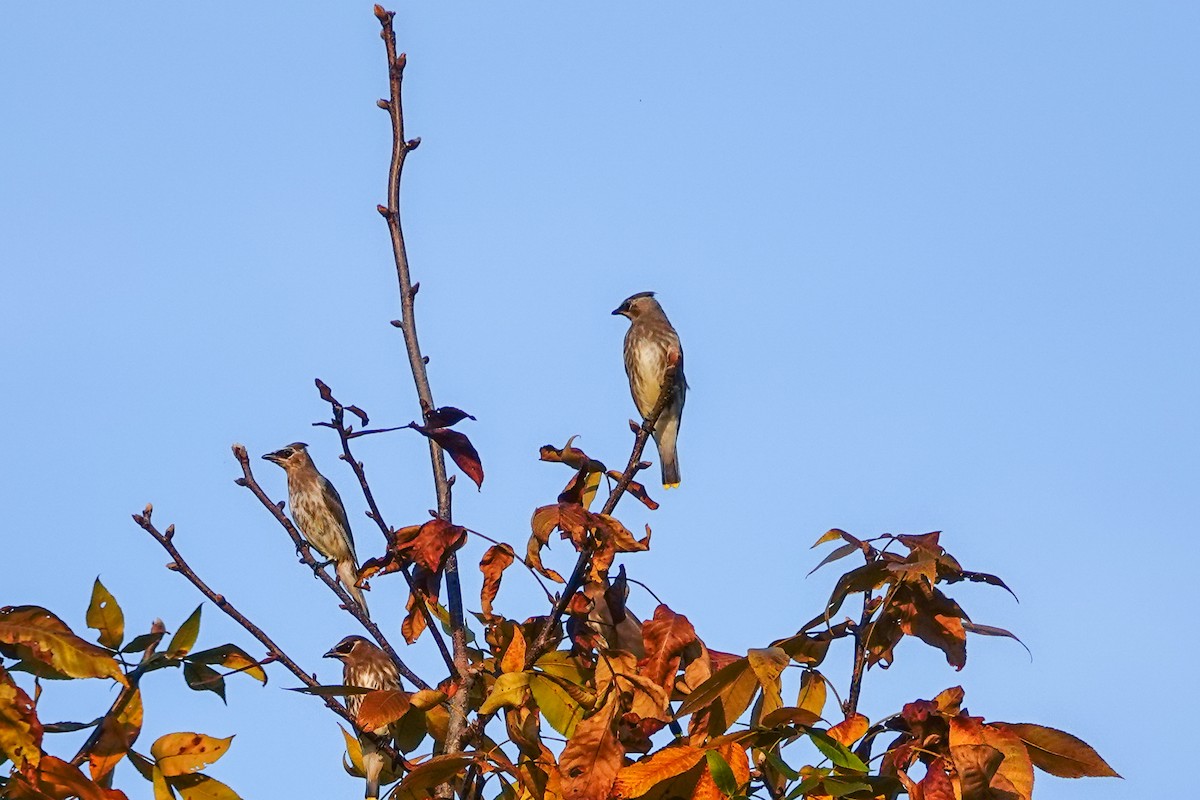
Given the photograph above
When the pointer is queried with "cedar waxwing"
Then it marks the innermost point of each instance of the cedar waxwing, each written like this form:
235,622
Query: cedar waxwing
649,345
365,665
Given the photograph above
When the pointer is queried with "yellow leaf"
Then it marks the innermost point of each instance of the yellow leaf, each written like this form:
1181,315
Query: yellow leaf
1058,752
768,664
180,753
556,704
161,790
185,638
514,656
812,692
20,730
201,787
421,781
510,690
104,615
32,632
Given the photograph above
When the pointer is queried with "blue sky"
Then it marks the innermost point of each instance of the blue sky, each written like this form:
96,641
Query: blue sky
934,268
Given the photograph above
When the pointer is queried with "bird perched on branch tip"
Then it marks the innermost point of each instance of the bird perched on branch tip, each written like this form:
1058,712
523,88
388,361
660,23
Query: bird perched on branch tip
651,345
365,665
319,513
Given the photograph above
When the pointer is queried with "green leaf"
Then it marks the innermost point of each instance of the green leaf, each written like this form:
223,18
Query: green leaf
330,691
840,787
203,678
722,774
140,643
104,615
185,638
836,752
557,706
231,657
782,766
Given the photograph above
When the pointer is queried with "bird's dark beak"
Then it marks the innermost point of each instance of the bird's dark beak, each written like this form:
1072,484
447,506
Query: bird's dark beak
274,458
331,653
620,311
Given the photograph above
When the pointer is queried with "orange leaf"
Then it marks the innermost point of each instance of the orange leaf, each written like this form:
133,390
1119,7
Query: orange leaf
850,730
936,784
118,732
514,655
1016,768
636,779
57,778
381,708
663,639
496,559
592,757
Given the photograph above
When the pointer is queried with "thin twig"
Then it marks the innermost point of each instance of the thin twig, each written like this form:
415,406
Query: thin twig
274,651
339,424
540,643
861,632
306,556
391,212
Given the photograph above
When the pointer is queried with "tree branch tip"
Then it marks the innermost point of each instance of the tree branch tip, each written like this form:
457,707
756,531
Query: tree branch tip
450,480
240,481
169,533
425,359
384,104
239,450
413,143
384,211
633,426
416,287
173,566
139,519
279,505
148,510
401,60
641,465
397,323
383,15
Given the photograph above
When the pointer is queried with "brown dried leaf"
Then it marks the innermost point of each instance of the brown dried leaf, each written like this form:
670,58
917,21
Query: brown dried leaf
812,692
1016,768
572,456
422,780
496,559
459,447
936,785
58,779
1058,752
976,766
636,489
592,757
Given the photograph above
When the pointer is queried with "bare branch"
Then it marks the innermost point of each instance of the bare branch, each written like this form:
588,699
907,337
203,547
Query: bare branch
274,651
306,557
401,147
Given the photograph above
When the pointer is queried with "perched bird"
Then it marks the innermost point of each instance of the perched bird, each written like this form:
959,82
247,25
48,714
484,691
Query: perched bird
365,665
650,345
319,513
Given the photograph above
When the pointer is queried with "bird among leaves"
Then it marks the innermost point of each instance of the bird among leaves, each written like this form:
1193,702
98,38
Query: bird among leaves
319,514
365,665
651,344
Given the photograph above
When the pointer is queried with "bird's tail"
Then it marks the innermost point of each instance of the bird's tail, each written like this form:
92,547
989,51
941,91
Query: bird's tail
347,573
372,766
665,434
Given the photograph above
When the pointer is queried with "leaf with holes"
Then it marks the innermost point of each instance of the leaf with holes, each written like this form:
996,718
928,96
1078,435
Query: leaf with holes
180,753
33,634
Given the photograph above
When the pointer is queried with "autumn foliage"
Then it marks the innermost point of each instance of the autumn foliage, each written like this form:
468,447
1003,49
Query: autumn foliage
594,699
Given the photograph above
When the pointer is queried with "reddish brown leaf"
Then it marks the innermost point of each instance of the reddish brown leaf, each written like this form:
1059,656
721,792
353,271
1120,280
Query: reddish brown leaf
571,456
636,489
923,541
592,757
444,417
1058,752
459,447
57,778
381,708
664,638
936,785
496,559
976,766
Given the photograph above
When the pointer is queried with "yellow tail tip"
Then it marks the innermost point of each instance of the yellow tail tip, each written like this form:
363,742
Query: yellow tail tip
671,485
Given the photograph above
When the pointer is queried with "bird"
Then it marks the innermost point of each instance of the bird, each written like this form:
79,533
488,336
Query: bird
365,665
651,344
319,514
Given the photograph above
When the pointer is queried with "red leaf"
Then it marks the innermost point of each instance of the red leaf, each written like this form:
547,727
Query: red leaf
458,446
445,417
664,637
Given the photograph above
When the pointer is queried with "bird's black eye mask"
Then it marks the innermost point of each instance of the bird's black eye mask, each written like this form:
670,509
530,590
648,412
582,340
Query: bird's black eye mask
286,452
344,648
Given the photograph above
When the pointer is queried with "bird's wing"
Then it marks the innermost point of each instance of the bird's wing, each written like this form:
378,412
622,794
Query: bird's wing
334,501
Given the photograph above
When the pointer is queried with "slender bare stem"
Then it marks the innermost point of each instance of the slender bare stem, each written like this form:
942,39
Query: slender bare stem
345,435
540,644
274,651
401,147
861,633
306,557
